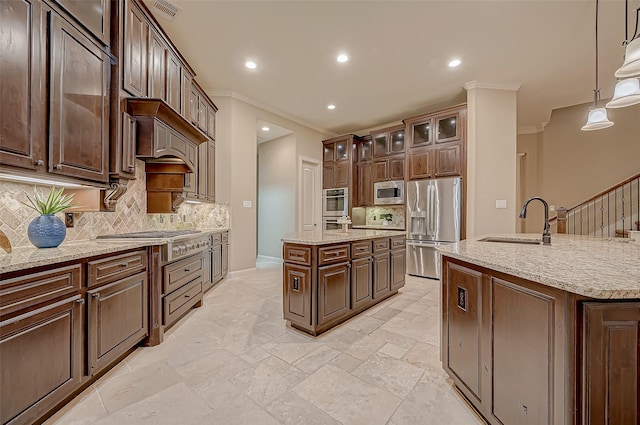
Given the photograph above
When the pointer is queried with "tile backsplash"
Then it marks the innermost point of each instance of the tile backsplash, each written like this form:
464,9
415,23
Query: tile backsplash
373,217
130,214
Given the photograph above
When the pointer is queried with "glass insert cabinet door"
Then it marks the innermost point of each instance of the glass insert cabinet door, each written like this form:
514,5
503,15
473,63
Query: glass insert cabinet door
341,151
447,128
396,141
380,145
328,152
421,133
365,150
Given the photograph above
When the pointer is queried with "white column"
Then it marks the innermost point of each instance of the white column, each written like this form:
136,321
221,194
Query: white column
491,157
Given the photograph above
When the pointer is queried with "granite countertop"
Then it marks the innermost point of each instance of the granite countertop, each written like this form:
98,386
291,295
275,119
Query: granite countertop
26,257
316,237
593,267
376,227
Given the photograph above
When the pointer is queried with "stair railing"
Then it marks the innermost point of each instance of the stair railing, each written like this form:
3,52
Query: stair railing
611,213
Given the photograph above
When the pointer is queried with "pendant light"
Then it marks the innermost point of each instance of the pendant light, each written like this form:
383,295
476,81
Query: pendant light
597,116
627,91
631,65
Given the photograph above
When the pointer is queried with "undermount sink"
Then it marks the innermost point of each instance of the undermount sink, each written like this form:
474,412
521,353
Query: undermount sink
511,240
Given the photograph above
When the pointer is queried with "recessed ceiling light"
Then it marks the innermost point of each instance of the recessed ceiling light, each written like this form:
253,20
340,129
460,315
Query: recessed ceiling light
331,106
454,63
342,58
265,128
250,65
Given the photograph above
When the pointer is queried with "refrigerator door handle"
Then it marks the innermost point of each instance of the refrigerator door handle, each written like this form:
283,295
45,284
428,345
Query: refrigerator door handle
410,243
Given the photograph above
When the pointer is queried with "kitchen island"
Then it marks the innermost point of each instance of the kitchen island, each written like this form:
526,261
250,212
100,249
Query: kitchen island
535,334
331,276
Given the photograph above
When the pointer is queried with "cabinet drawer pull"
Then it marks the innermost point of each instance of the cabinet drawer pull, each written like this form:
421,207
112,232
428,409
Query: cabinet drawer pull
187,270
39,163
95,295
58,166
124,265
187,296
80,301
131,167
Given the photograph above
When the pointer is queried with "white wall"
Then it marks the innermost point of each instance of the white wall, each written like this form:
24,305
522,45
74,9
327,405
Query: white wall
276,193
236,168
491,158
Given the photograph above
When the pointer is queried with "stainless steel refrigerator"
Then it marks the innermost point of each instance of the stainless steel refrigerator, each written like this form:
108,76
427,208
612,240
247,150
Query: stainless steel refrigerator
434,217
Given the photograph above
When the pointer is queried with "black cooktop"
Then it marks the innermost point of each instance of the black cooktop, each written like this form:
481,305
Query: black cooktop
152,234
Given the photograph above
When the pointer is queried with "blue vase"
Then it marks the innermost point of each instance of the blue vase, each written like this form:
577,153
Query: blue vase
46,231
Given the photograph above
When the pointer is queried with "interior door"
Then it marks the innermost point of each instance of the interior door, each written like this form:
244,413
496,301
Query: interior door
309,195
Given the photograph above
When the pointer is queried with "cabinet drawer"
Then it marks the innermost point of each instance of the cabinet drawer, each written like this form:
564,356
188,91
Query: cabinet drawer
361,249
381,245
216,238
297,254
111,269
333,254
36,288
179,302
181,272
397,242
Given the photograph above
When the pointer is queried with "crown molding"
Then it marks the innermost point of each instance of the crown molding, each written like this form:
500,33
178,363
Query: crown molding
245,99
494,85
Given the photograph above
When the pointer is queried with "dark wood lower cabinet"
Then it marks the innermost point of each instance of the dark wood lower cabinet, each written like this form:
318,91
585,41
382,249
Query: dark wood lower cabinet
324,285
361,278
334,292
117,319
41,356
526,353
381,275
611,363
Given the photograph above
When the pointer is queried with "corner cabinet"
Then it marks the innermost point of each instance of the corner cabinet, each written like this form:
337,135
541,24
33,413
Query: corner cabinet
324,285
436,144
337,161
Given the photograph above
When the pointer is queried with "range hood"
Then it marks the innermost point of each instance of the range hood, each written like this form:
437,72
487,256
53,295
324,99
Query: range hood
168,144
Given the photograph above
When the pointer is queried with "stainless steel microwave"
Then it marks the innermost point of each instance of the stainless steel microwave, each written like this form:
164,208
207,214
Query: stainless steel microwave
388,193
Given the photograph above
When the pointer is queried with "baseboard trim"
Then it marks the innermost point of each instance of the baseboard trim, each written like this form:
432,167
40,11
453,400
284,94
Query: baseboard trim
268,259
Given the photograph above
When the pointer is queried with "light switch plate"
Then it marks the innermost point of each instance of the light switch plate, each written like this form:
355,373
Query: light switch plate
501,203
247,204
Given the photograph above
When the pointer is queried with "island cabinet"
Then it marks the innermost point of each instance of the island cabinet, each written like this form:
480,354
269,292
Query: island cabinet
324,285
524,353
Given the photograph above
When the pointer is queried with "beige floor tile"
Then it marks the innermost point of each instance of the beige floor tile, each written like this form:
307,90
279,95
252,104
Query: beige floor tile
128,388
174,405
218,365
386,313
393,350
388,373
85,409
240,410
364,347
426,356
347,398
266,380
291,346
364,324
345,362
218,393
291,409
316,359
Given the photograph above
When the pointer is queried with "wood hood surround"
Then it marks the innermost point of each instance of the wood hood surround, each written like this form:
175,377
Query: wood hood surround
168,143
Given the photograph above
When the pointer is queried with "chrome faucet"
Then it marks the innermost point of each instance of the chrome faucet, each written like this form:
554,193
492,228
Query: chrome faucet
546,233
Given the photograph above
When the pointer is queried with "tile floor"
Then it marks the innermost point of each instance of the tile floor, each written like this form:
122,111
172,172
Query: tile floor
234,361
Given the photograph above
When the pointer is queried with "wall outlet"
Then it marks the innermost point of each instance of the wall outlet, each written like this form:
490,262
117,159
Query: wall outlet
247,204
501,203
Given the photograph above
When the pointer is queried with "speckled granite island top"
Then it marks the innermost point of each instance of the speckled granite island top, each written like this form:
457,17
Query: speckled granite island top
316,237
596,268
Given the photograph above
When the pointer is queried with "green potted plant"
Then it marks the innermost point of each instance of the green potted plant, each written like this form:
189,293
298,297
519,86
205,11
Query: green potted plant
47,230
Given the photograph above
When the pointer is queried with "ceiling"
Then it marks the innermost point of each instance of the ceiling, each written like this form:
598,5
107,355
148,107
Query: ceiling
266,131
399,51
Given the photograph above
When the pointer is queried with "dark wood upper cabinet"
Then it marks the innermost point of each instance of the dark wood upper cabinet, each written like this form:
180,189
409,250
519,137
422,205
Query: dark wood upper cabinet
185,107
449,127
448,160
388,141
157,65
174,81
419,132
94,15
206,171
23,85
365,149
337,161
79,93
364,185
135,55
128,143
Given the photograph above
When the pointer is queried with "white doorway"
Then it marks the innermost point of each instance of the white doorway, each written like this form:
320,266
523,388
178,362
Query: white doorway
308,193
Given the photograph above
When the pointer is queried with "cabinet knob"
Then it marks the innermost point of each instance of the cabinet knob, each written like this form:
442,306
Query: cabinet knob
194,123
39,163
80,301
187,270
131,168
187,296
95,295
58,166
124,265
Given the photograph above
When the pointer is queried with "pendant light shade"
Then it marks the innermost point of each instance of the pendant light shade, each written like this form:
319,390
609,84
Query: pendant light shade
631,65
597,120
626,93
